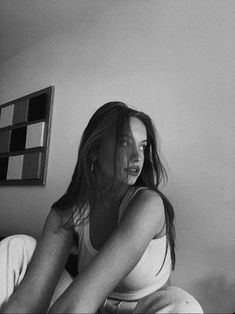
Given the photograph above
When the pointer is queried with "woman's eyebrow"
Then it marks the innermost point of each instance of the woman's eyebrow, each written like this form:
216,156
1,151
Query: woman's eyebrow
131,137
126,136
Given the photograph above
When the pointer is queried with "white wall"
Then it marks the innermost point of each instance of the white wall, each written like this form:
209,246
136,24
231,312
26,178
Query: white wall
175,61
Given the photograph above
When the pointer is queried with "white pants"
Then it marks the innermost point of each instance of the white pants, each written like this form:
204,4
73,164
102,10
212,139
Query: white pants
168,299
16,253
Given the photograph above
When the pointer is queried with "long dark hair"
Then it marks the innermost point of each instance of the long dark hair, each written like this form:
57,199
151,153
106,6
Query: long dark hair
87,185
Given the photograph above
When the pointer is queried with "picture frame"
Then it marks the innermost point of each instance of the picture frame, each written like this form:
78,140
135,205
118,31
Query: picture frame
25,125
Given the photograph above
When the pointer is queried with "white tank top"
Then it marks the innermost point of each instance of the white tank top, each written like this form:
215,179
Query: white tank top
147,276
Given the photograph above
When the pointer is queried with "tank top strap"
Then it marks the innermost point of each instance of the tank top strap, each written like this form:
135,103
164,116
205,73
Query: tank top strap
127,198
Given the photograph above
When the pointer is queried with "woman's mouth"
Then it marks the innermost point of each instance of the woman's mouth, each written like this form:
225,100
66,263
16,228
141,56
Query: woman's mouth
133,171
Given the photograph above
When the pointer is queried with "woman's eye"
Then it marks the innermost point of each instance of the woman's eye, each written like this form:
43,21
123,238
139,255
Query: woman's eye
124,143
142,147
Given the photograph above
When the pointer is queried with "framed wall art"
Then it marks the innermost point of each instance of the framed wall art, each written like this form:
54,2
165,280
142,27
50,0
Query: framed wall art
24,138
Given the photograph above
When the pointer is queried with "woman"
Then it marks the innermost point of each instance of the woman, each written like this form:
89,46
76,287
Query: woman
124,225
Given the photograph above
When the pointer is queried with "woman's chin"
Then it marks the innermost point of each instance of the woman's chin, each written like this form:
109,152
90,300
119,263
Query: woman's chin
132,180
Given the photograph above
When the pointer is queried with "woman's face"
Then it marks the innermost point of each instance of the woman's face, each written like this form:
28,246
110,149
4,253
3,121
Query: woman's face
131,154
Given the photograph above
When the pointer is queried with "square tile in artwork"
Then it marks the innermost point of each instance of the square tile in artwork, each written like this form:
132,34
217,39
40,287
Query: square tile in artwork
32,166
6,116
15,167
5,137
20,112
18,139
37,107
35,135
3,168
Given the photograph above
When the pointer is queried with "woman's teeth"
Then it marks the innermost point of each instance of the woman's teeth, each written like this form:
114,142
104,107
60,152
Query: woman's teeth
133,170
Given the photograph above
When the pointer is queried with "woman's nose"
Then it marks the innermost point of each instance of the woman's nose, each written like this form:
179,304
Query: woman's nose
135,154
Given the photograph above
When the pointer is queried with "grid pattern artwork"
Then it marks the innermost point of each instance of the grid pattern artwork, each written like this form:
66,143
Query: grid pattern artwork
24,138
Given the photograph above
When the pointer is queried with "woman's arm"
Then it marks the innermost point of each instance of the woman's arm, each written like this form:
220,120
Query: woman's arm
35,291
143,218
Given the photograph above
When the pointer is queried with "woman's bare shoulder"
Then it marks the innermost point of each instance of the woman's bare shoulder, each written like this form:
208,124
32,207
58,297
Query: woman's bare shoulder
148,198
146,206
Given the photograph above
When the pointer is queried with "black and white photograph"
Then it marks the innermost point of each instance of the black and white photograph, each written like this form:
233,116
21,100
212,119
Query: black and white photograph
117,156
